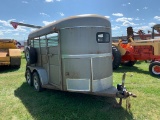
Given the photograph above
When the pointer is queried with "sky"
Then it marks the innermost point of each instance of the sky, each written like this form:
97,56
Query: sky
139,14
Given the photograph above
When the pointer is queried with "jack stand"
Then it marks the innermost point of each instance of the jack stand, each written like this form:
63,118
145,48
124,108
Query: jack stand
128,104
123,94
123,81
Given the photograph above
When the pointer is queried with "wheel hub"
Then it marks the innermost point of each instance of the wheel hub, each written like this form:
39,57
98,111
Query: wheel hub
27,56
35,83
156,69
28,78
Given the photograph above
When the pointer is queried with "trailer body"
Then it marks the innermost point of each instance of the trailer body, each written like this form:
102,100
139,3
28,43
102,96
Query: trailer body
72,54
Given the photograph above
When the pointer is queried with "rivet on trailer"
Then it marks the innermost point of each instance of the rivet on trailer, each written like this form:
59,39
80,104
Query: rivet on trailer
75,55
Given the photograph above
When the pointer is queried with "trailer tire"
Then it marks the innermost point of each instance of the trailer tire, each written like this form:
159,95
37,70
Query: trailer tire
154,68
36,82
31,55
116,57
128,63
28,76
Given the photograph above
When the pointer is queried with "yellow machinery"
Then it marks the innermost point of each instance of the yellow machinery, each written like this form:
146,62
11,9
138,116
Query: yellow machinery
10,55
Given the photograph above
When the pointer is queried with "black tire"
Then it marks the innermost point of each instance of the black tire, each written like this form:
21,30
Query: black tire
154,68
36,82
15,62
17,66
28,76
128,63
31,55
116,55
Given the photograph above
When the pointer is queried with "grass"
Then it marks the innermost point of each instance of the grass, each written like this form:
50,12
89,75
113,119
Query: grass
18,101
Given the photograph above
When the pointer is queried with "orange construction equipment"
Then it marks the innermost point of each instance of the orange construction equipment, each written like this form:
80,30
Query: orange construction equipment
143,50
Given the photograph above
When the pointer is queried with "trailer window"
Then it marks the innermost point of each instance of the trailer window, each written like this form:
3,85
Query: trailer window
52,39
31,43
103,37
44,41
36,43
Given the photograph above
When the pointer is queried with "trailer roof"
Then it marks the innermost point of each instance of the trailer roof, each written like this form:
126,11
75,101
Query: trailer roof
74,21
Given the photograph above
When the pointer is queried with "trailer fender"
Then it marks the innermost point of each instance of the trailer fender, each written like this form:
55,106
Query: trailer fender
41,72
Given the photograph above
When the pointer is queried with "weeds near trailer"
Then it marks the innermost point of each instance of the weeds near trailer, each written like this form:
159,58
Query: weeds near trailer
146,87
20,101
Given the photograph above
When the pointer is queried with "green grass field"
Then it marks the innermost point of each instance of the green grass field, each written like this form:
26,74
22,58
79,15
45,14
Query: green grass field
18,101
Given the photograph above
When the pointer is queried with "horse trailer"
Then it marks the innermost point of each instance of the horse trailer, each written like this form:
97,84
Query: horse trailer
73,54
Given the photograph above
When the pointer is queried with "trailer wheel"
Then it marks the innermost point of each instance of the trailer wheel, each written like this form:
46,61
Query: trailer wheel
128,63
29,77
31,55
36,82
116,56
154,68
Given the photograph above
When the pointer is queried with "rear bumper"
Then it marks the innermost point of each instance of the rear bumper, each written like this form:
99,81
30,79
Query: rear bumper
110,92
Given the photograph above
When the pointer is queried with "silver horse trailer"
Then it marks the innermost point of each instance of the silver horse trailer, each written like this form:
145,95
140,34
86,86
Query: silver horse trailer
73,54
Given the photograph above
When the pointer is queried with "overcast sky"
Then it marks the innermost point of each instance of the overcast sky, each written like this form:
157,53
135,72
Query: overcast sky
140,14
